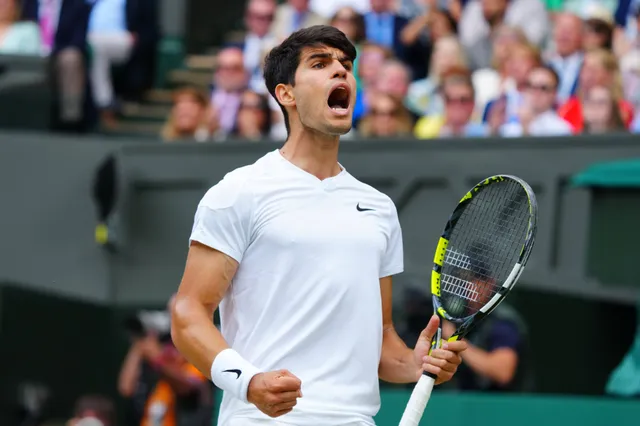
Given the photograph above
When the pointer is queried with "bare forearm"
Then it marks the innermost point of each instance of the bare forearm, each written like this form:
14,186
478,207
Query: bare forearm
397,364
194,334
498,366
412,31
129,373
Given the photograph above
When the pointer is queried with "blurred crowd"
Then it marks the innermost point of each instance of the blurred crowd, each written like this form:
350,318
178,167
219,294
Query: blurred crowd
425,68
440,68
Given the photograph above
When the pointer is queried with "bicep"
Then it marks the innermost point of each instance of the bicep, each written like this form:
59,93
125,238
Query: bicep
207,276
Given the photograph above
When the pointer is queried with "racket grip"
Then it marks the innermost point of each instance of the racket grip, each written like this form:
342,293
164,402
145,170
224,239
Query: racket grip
418,401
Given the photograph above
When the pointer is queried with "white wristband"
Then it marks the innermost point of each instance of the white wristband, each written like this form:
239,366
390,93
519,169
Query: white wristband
232,373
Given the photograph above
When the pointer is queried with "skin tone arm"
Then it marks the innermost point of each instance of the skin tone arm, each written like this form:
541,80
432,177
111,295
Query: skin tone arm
399,364
130,371
498,365
206,279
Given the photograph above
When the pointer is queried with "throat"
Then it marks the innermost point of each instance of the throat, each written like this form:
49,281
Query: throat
319,162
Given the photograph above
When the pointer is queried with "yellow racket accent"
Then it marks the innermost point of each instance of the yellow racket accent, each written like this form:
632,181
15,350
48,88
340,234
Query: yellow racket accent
438,258
435,283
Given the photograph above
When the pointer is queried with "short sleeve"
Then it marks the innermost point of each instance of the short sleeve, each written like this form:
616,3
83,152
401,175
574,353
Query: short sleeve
504,334
393,257
223,218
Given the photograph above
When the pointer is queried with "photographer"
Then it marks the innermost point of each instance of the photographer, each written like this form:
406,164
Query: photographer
164,390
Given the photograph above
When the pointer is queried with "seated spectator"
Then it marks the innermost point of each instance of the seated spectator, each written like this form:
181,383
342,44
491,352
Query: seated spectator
119,31
536,116
386,118
230,80
292,16
93,410
253,121
598,34
423,97
601,111
493,81
189,118
384,27
370,60
480,18
523,58
600,68
567,53
63,30
458,94
17,37
258,40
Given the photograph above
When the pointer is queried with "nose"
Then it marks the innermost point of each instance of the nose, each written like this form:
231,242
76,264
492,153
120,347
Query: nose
340,71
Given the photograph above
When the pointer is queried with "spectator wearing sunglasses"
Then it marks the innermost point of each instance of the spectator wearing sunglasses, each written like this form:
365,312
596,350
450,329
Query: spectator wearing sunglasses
458,95
536,116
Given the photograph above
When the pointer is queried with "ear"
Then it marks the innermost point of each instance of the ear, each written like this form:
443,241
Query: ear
285,95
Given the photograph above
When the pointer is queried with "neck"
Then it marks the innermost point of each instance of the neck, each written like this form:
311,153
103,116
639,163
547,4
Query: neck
455,128
315,153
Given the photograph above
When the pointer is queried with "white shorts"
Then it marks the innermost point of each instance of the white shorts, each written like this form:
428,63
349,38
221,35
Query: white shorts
269,422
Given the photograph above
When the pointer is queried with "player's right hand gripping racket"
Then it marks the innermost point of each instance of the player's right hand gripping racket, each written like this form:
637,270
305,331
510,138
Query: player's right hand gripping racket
480,256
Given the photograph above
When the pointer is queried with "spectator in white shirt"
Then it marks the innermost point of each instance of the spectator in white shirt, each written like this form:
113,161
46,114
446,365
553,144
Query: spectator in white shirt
567,57
537,116
258,40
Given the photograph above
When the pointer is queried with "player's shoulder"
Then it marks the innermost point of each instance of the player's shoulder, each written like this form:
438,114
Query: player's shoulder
235,184
374,197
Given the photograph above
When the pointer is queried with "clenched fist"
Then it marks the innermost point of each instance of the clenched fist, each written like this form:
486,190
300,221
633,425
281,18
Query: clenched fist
275,393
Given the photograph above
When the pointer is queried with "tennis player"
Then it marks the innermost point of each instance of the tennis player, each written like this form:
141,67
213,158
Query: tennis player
299,256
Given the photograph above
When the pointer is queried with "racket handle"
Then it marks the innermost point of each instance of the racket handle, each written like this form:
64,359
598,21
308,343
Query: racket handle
418,401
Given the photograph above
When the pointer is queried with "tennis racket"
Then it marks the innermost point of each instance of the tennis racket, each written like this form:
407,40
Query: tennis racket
479,257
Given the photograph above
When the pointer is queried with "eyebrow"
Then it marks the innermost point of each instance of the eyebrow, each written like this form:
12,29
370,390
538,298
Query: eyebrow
342,58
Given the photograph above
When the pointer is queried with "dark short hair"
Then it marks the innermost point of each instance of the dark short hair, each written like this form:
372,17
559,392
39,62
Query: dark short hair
551,71
282,61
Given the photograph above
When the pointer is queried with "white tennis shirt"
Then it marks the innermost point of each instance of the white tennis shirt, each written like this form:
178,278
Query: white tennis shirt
306,296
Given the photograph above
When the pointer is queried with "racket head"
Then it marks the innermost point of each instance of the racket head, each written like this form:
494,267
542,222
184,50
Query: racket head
483,249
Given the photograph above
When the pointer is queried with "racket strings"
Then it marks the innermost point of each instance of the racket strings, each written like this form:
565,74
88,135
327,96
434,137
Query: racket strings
483,247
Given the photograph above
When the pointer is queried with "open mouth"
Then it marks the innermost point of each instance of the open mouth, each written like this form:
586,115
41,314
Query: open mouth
339,99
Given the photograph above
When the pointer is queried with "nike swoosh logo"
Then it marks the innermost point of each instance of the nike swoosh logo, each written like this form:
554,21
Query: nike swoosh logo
360,209
238,372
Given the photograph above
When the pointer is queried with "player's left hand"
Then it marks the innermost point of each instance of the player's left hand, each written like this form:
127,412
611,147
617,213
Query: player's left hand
442,362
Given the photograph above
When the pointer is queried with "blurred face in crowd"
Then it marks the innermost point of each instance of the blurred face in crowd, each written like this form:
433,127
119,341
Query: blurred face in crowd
300,5
8,11
597,108
188,113
371,59
567,34
393,80
447,53
381,6
494,10
230,74
384,111
597,34
520,63
594,73
259,16
252,115
541,90
459,102
503,41
345,21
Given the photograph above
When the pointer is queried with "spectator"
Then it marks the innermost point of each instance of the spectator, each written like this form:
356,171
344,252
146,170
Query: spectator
480,18
254,117
600,68
63,30
393,79
568,55
491,83
16,37
351,23
93,410
630,70
292,16
120,32
189,118
423,96
536,116
601,111
370,60
386,118
497,359
384,27
458,95
598,34
258,40
230,81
